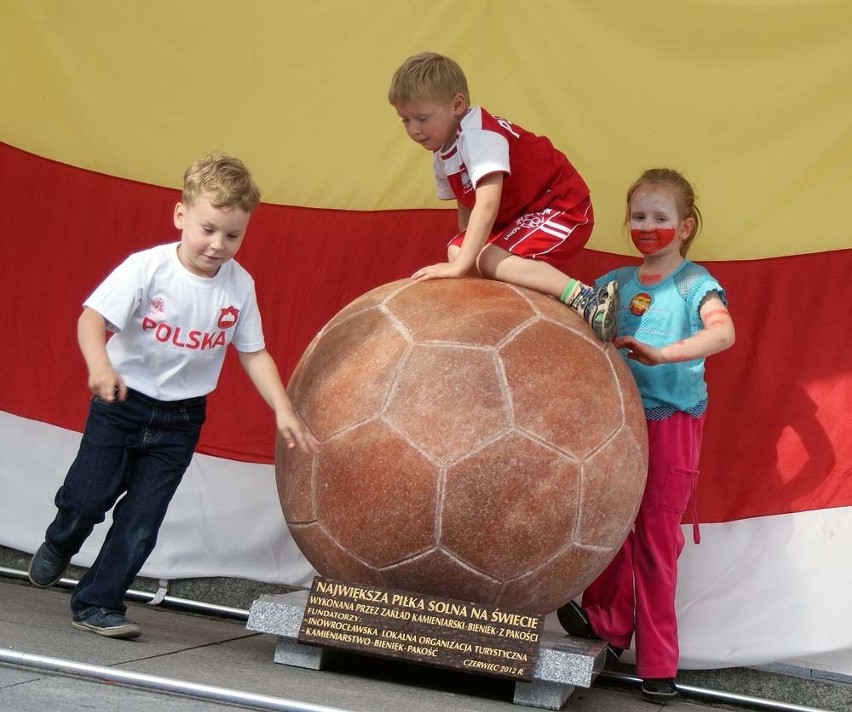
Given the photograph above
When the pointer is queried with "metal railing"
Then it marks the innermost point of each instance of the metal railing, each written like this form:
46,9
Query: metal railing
247,699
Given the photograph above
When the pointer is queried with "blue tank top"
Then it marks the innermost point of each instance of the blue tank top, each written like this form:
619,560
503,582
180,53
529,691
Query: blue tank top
660,314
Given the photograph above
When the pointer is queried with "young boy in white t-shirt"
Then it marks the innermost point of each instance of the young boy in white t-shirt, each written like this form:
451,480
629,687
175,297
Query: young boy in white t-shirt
173,309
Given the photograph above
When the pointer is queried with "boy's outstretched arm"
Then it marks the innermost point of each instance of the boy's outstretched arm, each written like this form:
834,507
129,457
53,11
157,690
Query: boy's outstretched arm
717,335
480,221
104,381
263,373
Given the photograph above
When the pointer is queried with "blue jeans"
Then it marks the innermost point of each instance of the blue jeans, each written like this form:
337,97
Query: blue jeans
141,448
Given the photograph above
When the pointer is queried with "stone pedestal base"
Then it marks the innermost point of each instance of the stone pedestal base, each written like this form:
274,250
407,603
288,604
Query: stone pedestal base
563,662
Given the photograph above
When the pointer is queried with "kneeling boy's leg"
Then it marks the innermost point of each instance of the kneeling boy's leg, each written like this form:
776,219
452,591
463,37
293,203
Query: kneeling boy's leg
532,261
497,263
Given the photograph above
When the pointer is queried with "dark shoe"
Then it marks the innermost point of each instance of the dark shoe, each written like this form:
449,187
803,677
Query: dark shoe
576,623
109,624
574,620
46,568
613,655
660,690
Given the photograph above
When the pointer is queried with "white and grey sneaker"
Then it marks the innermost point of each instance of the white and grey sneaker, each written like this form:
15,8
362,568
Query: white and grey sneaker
598,307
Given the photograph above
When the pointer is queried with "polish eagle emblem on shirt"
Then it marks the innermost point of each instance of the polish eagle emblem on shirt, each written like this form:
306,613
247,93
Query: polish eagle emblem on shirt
228,317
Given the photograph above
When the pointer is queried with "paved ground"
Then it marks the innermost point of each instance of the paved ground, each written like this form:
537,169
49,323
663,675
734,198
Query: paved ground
222,653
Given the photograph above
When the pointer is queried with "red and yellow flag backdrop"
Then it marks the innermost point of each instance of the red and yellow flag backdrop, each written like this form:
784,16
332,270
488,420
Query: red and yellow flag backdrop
106,103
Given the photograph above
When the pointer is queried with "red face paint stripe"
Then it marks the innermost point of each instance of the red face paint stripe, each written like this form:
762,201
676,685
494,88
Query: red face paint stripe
650,241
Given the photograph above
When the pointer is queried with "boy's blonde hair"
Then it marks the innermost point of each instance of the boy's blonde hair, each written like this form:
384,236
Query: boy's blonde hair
427,76
225,181
684,195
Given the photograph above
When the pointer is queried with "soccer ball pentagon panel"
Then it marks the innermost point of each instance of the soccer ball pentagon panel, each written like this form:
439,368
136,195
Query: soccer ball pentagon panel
476,442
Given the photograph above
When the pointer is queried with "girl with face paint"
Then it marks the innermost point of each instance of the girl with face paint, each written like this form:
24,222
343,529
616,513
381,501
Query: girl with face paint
673,315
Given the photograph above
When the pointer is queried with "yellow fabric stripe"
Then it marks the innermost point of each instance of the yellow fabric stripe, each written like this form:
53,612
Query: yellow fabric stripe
751,99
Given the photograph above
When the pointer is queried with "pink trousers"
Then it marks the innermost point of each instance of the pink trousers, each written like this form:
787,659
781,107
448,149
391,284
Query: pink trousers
635,594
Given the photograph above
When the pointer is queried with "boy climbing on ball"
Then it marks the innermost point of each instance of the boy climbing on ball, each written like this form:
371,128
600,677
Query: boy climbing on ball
523,209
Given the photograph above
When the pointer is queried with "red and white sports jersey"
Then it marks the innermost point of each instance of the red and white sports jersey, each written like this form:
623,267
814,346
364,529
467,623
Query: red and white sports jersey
537,175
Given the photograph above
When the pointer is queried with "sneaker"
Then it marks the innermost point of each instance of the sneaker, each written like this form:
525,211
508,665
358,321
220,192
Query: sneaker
576,623
660,690
46,568
613,655
598,307
574,620
110,624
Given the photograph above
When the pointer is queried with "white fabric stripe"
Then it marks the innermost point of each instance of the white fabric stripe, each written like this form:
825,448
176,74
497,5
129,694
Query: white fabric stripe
756,591
556,228
224,520
766,590
559,234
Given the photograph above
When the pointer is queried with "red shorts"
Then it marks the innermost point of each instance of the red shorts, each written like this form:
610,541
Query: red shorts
553,236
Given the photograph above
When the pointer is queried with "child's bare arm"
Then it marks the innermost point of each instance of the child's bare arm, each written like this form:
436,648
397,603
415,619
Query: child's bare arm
717,335
463,216
263,373
479,222
104,381
488,193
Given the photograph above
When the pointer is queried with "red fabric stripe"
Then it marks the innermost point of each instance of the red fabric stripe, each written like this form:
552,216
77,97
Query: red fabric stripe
65,228
777,438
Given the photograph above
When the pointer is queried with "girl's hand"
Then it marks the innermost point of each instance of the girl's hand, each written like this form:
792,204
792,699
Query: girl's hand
640,351
717,335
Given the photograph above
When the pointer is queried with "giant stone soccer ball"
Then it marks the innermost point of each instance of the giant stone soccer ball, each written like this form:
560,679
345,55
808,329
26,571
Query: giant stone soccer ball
476,442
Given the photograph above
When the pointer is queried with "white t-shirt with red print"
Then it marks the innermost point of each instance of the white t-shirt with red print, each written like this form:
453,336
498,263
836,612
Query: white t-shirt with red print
537,175
172,327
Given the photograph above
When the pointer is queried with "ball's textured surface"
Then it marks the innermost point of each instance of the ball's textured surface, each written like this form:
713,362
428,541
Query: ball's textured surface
477,442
